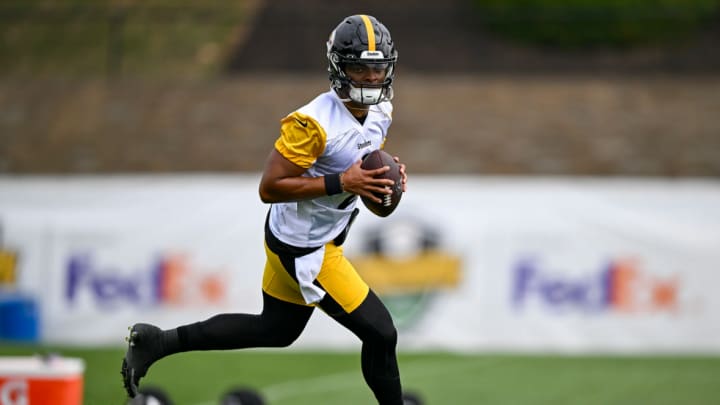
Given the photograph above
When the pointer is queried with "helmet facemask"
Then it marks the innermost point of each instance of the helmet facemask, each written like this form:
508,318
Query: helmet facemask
367,93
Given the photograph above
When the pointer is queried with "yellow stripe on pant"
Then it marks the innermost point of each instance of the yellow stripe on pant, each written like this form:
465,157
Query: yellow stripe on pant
337,277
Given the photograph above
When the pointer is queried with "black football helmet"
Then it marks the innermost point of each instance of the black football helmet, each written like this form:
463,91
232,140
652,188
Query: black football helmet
361,39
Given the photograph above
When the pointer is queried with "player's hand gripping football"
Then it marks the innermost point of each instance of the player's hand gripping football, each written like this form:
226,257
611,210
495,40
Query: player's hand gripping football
366,183
369,183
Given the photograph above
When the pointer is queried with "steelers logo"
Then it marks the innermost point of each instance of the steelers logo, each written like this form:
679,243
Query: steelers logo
404,262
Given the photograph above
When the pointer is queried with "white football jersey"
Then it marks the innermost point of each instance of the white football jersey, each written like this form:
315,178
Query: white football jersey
324,137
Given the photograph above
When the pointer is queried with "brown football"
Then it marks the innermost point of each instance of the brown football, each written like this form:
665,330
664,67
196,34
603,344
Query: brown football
375,160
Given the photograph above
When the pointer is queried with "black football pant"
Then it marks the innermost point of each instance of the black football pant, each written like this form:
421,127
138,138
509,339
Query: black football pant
281,323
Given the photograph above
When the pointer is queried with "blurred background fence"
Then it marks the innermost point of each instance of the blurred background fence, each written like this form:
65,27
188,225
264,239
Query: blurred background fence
502,87
617,87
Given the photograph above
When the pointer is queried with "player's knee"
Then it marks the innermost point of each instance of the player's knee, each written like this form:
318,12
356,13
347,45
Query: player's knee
390,336
281,336
281,341
385,333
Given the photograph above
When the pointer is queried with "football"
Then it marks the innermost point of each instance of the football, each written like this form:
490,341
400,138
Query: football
375,160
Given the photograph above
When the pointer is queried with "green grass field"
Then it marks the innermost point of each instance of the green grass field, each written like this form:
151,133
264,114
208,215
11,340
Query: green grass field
291,377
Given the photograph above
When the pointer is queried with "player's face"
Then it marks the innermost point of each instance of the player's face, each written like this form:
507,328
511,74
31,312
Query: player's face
367,73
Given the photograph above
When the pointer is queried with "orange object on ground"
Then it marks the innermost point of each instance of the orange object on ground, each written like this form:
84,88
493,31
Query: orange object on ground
41,380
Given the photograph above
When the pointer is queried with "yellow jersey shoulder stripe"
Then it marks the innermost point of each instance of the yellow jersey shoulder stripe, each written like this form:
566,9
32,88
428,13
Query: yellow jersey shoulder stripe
302,139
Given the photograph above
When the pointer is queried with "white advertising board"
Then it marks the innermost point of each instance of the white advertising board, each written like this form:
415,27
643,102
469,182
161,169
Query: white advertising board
575,265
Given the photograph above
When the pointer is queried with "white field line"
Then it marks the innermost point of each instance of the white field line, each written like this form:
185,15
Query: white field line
352,379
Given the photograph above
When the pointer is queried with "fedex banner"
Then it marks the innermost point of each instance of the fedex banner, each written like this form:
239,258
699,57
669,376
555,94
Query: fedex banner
576,265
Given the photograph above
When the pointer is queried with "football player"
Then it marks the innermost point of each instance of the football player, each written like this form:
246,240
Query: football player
311,180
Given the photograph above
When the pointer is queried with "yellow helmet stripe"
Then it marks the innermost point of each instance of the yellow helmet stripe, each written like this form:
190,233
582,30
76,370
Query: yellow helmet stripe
370,32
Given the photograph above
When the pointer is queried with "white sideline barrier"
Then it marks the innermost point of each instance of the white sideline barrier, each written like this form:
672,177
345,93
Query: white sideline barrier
545,264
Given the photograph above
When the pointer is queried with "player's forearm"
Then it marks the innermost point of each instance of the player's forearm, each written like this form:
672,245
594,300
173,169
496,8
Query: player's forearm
293,189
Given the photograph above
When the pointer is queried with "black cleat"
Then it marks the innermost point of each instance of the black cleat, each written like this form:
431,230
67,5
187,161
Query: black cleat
412,398
144,348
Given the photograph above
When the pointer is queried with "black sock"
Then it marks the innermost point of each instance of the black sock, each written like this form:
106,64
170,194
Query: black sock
278,325
372,323
387,390
171,341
